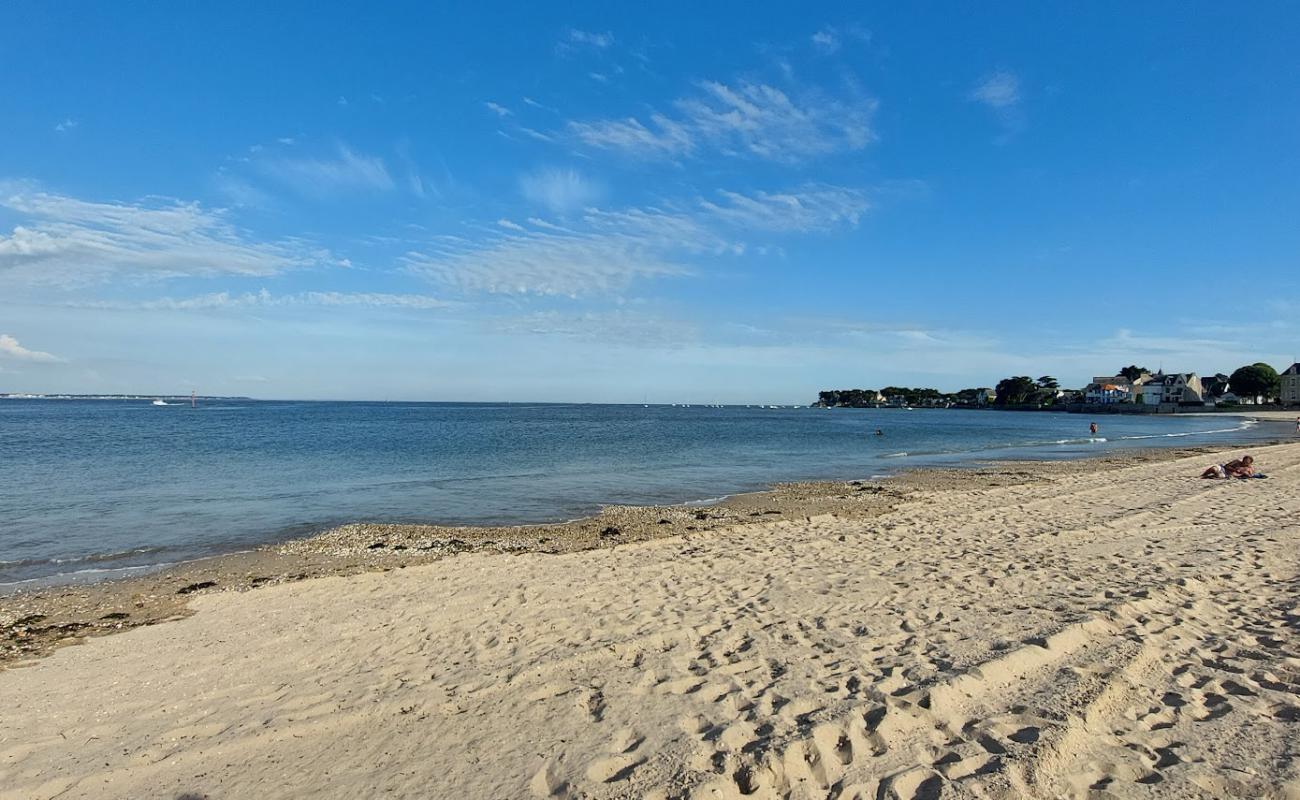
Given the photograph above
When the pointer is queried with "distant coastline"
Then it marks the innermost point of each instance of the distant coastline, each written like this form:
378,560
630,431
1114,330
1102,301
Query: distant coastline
26,396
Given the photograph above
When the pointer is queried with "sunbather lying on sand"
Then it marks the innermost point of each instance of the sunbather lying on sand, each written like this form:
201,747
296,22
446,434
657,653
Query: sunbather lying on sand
1243,467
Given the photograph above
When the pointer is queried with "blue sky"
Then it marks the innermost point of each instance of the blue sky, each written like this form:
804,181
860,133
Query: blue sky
730,202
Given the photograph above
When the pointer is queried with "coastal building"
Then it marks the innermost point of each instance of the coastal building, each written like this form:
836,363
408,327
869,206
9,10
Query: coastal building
1289,392
1214,386
1179,387
1107,389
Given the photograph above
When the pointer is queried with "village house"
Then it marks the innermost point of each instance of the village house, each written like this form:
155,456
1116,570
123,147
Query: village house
1106,392
1107,389
1289,391
1180,387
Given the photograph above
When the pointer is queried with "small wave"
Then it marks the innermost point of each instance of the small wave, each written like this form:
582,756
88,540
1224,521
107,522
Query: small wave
1092,440
895,455
707,501
70,576
93,558
1184,433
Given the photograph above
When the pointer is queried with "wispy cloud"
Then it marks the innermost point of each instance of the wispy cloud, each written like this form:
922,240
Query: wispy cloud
826,40
575,39
666,138
605,252
68,241
66,125
265,299
619,327
813,207
528,101
496,108
344,172
743,119
241,192
605,256
998,90
10,348
559,190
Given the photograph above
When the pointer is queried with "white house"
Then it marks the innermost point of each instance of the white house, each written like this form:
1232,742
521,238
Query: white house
1181,387
1107,389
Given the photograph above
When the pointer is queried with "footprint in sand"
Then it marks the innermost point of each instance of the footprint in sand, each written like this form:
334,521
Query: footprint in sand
614,768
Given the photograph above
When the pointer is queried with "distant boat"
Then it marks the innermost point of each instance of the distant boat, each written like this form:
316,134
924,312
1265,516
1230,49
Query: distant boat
159,403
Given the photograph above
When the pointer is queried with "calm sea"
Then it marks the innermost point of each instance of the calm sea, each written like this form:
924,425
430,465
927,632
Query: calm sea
95,488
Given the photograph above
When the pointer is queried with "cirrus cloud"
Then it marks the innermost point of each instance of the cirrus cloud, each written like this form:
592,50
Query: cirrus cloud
606,251
744,119
66,241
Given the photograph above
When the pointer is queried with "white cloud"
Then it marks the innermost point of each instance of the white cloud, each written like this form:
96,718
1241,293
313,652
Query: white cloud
826,40
668,139
596,40
814,207
499,110
10,348
538,135
265,299
605,252
69,241
610,252
560,190
66,125
240,192
999,90
744,119
619,327
323,177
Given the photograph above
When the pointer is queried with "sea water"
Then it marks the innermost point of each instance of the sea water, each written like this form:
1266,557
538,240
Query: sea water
95,488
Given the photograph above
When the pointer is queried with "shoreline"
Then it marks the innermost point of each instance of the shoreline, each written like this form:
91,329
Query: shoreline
938,460
36,621
1014,630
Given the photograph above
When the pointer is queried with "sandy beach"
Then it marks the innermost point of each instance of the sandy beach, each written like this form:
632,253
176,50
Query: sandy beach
1130,631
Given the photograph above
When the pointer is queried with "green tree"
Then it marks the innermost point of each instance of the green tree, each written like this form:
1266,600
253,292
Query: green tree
1255,380
1133,372
1016,391
1048,382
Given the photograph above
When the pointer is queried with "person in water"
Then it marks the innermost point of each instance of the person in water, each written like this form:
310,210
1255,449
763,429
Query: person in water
879,432
1243,467
1093,429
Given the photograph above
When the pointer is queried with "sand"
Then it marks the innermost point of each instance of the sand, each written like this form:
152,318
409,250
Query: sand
35,620
1130,632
